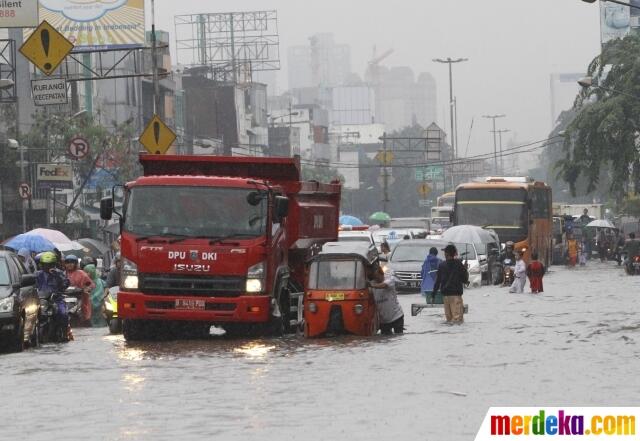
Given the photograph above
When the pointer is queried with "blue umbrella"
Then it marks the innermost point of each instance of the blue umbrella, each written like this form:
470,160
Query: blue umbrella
32,242
350,220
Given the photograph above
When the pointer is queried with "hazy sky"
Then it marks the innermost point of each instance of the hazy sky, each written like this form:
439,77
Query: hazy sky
513,46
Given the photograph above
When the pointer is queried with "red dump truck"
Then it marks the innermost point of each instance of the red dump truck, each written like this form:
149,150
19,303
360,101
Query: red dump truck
213,240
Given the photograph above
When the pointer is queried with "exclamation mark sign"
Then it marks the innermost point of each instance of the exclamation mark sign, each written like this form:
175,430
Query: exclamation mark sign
45,38
156,133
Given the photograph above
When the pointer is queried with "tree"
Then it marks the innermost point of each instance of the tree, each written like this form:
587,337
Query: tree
601,144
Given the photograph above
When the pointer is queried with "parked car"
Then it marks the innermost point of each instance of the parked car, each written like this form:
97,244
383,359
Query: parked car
19,304
409,255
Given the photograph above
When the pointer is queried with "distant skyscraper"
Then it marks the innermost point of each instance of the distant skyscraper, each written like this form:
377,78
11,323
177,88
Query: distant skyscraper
402,101
321,63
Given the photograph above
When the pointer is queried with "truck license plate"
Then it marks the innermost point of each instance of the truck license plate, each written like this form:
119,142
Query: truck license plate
189,304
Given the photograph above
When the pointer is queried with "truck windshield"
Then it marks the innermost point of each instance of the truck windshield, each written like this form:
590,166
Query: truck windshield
194,212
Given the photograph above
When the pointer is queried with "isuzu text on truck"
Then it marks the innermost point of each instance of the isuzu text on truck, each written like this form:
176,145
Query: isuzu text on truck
212,240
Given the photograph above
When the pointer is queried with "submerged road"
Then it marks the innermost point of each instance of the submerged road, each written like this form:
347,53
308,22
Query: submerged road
575,345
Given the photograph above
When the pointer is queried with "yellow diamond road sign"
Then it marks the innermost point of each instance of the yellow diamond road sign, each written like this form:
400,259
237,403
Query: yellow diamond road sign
46,48
157,137
385,157
424,189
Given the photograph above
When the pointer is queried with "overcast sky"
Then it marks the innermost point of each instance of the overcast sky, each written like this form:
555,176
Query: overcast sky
513,47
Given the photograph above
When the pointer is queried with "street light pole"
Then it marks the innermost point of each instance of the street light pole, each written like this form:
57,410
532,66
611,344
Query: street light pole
450,62
588,82
500,132
495,140
22,180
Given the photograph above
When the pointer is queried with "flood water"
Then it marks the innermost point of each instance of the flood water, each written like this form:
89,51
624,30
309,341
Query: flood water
575,345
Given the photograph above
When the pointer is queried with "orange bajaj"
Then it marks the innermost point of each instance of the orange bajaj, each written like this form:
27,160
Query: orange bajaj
337,298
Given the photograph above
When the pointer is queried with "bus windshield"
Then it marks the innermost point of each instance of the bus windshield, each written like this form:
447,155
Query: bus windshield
194,212
501,209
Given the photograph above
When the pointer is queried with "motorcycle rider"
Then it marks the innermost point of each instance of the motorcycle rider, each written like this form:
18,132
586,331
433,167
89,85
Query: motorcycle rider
631,249
508,253
51,279
79,279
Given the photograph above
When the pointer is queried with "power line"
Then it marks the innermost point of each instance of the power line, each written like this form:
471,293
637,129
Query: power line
506,152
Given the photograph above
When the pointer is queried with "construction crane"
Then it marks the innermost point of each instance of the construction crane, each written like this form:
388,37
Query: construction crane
373,70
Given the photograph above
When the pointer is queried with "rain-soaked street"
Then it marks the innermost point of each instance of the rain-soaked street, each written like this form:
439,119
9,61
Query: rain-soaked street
574,345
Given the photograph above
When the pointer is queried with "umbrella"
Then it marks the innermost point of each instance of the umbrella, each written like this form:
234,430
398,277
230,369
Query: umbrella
95,247
601,223
380,216
72,247
468,234
54,236
350,220
33,242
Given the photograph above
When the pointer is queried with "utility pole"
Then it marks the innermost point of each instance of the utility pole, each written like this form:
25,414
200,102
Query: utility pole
495,140
500,132
154,61
385,175
450,62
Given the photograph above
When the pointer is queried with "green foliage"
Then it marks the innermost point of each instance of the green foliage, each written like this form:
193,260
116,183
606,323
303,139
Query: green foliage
601,145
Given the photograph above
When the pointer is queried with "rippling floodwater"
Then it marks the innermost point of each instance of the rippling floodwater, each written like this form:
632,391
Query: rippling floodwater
576,345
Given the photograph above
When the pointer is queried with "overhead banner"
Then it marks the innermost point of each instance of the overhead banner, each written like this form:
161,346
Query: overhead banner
18,13
50,91
97,24
55,176
615,21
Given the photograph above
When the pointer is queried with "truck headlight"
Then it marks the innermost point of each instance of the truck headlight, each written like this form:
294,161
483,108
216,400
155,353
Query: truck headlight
6,304
129,275
254,285
255,278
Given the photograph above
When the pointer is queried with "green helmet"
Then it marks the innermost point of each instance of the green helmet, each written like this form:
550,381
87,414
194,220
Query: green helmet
48,257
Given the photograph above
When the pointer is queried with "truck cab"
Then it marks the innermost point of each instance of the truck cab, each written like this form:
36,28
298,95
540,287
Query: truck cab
216,241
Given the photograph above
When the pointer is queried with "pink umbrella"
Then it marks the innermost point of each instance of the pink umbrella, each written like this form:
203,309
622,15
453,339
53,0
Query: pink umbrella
54,236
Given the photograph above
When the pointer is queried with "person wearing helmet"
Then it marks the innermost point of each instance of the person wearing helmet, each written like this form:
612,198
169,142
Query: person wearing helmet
50,278
79,279
113,278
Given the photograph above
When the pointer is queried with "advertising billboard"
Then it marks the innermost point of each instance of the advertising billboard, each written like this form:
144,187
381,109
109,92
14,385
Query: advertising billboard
19,14
97,24
615,21
635,14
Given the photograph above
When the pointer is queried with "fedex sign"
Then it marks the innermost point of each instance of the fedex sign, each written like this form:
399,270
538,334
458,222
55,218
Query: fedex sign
55,176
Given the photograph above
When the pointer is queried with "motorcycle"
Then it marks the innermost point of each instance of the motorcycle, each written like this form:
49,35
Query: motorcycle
111,311
507,271
632,266
53,318
75,297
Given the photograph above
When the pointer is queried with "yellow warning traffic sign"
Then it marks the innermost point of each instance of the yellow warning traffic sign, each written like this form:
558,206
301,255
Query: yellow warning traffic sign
424,189
385,157
46,48
157,137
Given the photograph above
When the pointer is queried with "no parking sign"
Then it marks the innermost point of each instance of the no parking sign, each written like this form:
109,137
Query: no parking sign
78,147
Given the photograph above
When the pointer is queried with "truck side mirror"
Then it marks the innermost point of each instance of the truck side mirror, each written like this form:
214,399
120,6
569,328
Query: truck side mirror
106,208
281,207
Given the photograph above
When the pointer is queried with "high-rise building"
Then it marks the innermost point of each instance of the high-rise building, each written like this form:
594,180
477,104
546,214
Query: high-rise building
402,101
320,63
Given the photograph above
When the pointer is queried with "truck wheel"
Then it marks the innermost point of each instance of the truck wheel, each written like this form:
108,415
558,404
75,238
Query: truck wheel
134,330
114,326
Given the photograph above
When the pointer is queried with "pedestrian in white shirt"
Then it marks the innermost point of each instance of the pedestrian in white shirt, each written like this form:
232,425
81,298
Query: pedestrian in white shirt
520,275
389,309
